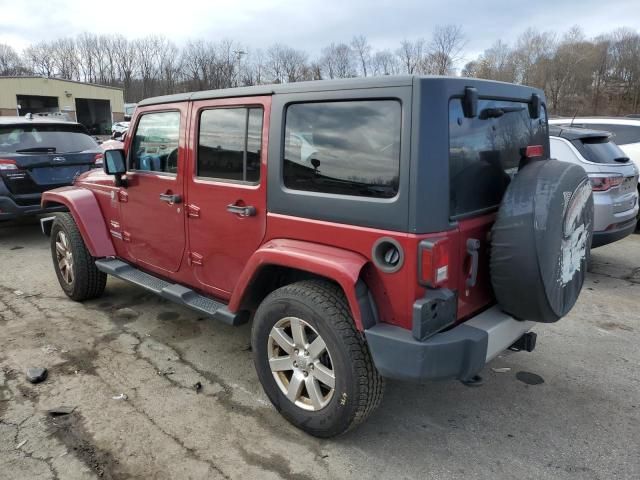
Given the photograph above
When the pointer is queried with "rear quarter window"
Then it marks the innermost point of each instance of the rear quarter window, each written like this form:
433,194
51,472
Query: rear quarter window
345,148
485,151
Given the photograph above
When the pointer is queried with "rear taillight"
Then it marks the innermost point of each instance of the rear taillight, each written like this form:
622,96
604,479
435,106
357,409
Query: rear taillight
602,183
98,160
8,164
433,266
534,151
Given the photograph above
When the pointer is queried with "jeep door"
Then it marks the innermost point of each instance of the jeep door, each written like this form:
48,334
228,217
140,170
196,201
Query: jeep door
226,210
151,203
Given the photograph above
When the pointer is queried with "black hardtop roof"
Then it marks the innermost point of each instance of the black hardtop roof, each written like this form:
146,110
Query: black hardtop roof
326,85
576,133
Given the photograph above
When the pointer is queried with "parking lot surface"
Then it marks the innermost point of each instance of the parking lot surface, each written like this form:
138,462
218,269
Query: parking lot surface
128,366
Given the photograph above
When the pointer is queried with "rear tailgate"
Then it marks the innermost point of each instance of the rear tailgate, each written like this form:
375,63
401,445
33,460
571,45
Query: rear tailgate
36,157
485,153
40,172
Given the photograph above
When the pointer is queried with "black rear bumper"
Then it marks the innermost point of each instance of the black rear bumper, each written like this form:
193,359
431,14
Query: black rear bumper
10,210
460,352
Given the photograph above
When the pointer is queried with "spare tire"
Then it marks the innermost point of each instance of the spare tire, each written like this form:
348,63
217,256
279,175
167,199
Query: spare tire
541,240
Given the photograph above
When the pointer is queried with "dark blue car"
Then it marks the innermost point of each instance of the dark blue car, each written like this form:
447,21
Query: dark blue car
38,154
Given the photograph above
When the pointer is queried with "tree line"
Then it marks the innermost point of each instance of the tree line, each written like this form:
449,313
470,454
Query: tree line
581,75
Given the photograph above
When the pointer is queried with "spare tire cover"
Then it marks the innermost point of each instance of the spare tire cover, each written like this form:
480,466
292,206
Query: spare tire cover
541,240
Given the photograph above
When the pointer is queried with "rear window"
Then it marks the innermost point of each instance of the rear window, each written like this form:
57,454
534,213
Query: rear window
600,150
34,138
345,148
485,151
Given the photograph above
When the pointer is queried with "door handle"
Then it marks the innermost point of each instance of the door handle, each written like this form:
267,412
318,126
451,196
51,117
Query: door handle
243,211
170,198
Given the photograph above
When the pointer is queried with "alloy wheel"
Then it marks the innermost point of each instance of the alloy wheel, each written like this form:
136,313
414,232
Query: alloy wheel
64,257
301,363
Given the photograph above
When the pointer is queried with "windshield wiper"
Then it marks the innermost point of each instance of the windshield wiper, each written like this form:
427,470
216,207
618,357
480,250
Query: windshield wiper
497,112
37,149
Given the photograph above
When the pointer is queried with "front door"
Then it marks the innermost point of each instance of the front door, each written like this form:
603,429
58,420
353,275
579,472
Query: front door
152,204
226,210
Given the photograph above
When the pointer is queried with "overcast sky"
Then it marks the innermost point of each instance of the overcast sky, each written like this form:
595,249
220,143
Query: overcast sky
308,24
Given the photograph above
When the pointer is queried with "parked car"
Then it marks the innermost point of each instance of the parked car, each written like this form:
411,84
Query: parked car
38,154
118,128
613,177
400,227
625,131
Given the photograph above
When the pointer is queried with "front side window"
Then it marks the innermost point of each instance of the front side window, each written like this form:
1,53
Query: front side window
229,144
485,151
345,148
154,147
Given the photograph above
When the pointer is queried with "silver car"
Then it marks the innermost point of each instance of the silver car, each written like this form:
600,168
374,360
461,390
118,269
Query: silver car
614,179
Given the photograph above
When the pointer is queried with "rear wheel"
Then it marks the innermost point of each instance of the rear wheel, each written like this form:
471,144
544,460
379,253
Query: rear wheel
313,364
74,265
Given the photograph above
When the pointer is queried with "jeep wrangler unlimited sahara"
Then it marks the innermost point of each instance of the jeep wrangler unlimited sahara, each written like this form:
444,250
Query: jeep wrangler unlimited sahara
403,227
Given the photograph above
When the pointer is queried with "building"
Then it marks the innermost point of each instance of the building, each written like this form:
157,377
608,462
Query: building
95,106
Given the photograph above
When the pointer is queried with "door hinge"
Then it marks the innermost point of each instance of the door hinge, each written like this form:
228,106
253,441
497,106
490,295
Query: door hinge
123,196
193,211
195,259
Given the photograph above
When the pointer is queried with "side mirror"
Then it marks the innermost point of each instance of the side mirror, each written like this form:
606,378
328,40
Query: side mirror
115,164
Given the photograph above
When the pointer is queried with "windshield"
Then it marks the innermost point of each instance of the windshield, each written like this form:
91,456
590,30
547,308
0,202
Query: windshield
34,138
485,151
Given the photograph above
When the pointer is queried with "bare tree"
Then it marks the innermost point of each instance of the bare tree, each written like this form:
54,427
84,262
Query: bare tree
411,55
445,49
337,61
10,63
40,59
385,63
362,50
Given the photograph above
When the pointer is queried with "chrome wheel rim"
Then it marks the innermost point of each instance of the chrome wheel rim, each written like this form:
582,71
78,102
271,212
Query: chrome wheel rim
64,257
301,364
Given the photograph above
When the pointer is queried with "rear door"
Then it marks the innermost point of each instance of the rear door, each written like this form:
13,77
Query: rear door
226,211
40,156
484,155
152,206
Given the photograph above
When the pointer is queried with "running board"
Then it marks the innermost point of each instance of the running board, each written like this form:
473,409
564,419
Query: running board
171,291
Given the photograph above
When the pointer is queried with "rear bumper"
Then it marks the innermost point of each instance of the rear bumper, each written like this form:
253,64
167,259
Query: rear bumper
613,235
457,353
10,210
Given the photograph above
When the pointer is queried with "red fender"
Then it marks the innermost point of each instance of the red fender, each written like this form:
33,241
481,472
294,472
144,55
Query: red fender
341,266
82,204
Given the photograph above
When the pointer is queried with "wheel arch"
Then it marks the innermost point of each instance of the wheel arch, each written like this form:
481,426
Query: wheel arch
83,207
282,262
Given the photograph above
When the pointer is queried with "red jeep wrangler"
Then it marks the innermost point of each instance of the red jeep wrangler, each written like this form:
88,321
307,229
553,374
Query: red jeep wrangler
403,227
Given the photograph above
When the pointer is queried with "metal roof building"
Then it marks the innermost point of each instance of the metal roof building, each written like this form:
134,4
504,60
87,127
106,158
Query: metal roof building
95,106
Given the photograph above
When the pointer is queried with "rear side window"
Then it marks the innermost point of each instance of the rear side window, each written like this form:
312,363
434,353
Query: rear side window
229,144
154,147
485,151
34,138
345,148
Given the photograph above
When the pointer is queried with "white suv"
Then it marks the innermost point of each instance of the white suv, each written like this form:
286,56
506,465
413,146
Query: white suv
625,131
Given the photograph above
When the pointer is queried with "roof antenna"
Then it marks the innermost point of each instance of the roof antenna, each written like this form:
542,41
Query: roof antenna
574,116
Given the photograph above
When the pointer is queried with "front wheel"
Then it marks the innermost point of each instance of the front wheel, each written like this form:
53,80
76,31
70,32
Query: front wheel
72,261
313,364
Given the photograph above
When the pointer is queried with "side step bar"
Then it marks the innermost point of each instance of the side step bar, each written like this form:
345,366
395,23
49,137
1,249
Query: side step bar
171,291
